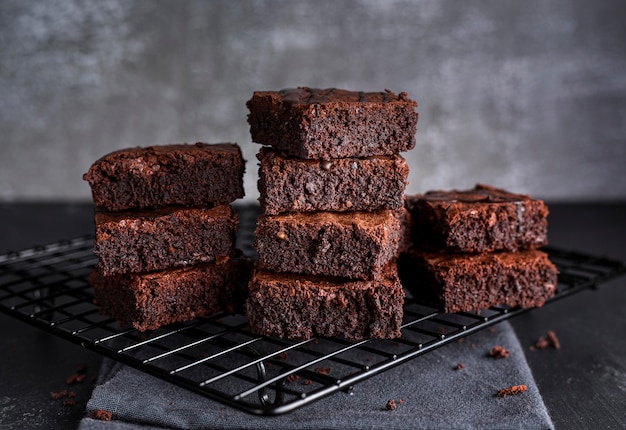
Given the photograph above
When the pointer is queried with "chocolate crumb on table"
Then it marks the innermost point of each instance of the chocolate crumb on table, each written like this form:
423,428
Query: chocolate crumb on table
554,341
514,389
391,405
545,341
459,366
58,395
101,415
498,352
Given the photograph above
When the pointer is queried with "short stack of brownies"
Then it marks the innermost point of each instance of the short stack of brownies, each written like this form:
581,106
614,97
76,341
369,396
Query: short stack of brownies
165,233
477,248
331,184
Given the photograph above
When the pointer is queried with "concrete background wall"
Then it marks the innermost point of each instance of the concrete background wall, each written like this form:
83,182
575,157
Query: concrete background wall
528,95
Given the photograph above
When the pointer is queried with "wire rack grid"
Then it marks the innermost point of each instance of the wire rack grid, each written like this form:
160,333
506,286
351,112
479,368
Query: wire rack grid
219,357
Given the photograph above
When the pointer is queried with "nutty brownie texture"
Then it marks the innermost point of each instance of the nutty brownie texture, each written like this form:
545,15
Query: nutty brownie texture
333,123
477,220
159,176
299,307
471,282
147,240
288,184
345,244
147,301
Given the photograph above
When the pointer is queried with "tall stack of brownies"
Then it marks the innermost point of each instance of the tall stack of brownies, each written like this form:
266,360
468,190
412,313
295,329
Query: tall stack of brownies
165,233
478,248
331,185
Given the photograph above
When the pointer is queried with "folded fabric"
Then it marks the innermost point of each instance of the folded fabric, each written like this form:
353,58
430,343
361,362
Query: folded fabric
453,387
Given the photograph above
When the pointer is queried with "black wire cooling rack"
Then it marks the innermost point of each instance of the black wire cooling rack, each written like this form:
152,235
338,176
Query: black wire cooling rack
218,357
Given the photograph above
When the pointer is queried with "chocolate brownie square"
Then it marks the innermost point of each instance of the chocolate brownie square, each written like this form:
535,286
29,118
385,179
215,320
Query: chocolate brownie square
332,123
169,175
352,245
477,220
288,184
471,282
292,306
147,240
147,301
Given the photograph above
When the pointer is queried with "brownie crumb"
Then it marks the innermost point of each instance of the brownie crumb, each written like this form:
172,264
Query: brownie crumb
78,376
69,402
75,378
101,415
515,389
459,366
307,382
283,356
550,339
323,370
391,405
554,341
292,378
58,395
498,352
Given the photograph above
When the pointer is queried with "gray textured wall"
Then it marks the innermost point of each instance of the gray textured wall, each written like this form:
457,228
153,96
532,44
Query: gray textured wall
528,95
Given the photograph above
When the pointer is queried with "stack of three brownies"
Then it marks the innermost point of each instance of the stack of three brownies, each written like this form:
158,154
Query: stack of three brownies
331,184
165,233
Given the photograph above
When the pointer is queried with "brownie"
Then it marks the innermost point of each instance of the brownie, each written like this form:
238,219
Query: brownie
477,220
332,123
147,240
352,245
147,301
159,176
288,184
299,307
471,282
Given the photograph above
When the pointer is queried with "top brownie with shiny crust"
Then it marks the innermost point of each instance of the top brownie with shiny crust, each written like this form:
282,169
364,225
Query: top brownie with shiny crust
168,175
332,123
482,219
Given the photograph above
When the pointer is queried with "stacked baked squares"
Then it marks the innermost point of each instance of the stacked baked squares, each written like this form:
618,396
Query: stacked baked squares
331,185
165,233
478,248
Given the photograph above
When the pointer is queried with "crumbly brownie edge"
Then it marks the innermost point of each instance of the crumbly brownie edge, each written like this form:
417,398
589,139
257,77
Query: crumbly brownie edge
502,221
288,184
160,239
472,282
288,306
150,300
333,128
354,245
167,175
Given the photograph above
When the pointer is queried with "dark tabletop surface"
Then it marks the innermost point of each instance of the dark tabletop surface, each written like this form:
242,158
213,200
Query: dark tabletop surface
583,384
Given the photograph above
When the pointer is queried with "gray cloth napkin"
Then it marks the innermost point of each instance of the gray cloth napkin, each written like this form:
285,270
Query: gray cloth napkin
433,392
